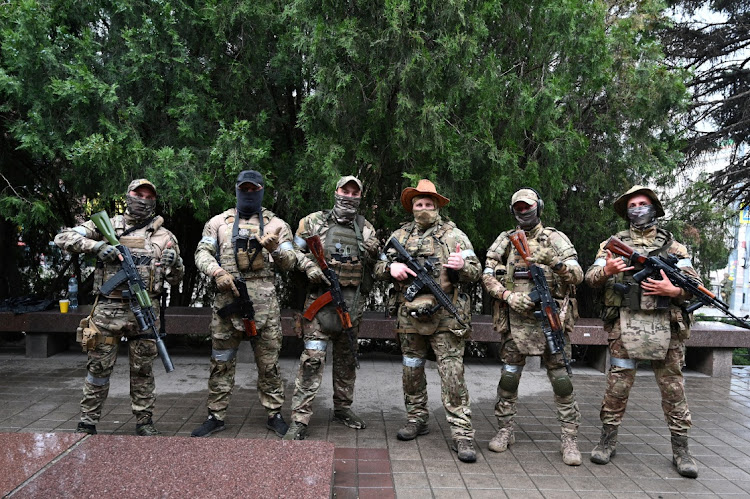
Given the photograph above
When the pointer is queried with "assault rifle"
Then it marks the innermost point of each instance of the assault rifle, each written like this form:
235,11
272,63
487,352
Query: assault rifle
243,306
549,313
136,294
334,295
423,279
652,265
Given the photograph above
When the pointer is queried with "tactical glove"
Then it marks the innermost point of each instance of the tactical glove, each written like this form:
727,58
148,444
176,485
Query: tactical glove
106,252
315,275
520,302
169,258
543,256
225,282
372,246
270,241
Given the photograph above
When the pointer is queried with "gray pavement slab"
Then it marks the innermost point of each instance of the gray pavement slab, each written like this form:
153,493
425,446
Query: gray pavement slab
41,395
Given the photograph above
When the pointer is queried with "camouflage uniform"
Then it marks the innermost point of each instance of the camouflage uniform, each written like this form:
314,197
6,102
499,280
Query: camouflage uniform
350,249
637,330
727,286
441,332
522,333
113,317
226,334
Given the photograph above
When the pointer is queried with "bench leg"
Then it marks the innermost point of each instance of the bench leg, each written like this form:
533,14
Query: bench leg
43,345
716,362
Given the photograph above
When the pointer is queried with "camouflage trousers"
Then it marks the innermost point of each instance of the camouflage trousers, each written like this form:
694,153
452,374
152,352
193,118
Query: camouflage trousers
114,319
225,341
505,408
449,351
310,374
668,373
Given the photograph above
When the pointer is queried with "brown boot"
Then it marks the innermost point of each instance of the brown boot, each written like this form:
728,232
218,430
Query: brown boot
503,438
569,445
681,458
605,449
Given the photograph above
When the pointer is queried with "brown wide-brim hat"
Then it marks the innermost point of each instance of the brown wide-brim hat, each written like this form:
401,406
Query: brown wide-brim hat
621,204
423,188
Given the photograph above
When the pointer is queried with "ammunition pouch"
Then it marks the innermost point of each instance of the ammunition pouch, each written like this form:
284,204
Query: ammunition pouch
89,336
500,316
421,314
349,271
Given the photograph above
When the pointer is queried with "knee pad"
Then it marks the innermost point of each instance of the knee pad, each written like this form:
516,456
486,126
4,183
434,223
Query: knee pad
561,384
223,355
413,362
511,378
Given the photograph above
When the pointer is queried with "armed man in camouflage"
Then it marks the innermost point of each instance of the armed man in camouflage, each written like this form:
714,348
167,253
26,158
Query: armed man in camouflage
644,322
430,238
726,288
246,243
157,256
507,280
350,247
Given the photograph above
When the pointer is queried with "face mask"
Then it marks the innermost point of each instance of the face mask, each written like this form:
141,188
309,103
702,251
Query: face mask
426,218
249,203
345,207
138,208
528,219
642,217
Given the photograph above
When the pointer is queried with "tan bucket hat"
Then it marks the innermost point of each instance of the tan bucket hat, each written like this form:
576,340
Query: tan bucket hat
621,204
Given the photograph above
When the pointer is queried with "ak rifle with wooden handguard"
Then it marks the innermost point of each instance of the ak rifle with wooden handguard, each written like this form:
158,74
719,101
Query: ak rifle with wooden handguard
549,313
334,294
652,265
136,294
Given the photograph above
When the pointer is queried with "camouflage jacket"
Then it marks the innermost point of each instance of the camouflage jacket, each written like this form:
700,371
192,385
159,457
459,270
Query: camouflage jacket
215,248
149,241
505,266
645,327
350,249
436,245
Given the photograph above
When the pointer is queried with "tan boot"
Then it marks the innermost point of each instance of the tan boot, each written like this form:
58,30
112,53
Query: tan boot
569,445
503,438
605,449
681,458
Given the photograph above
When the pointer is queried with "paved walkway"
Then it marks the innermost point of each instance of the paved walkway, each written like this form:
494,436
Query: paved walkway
41,395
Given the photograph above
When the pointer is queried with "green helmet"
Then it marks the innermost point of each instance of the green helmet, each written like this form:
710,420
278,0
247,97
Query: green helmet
621,204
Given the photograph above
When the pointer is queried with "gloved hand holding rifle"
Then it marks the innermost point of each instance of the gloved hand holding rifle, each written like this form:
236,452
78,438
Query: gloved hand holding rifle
549,313
140,301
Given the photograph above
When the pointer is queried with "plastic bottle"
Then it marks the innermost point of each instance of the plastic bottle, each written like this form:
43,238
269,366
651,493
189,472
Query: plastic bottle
73,292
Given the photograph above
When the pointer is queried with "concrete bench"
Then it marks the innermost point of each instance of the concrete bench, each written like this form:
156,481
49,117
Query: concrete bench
709,348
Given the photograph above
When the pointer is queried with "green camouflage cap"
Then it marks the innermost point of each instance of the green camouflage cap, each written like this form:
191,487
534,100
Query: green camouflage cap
621,203
345,180
140,182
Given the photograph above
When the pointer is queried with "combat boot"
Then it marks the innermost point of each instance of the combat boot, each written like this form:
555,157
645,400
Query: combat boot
209,426
569,445
146,429
465,449
605,449
296,431
347,417
681,458
411,430
86,428
277,424
503,438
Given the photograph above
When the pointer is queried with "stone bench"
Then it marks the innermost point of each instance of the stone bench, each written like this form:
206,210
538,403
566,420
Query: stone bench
709,348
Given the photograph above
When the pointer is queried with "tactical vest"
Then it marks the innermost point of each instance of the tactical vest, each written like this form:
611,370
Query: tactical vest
517,276
628,293
344,252
260,267
428,246
145,255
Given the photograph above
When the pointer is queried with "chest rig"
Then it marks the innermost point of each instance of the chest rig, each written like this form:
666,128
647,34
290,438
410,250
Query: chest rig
621,290
428,247
518,277
240,252
145,253
344,250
